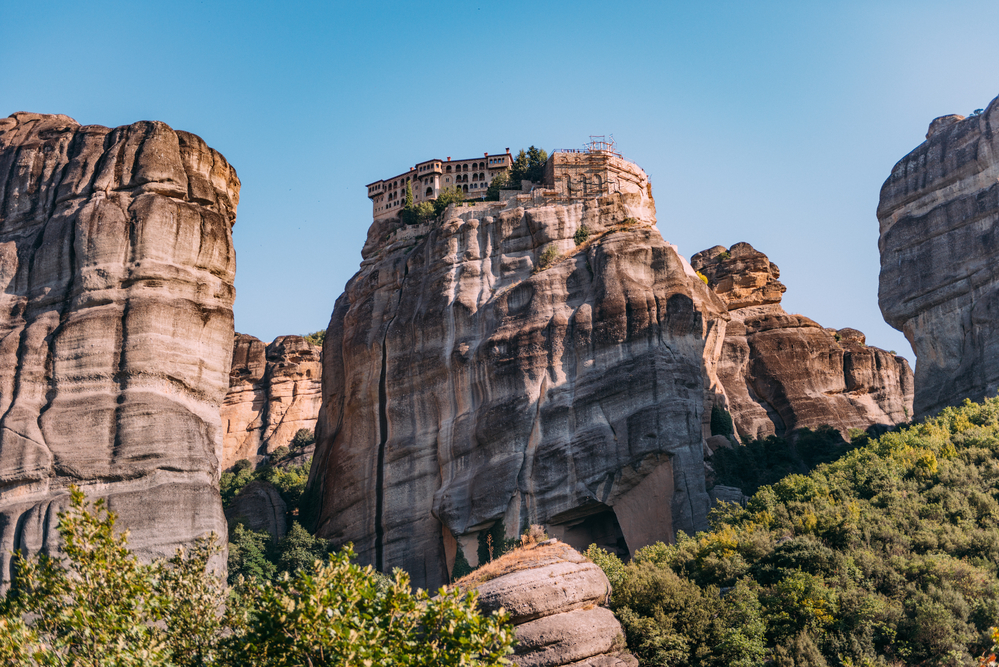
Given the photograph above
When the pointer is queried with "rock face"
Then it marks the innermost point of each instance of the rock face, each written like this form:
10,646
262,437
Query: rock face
259,506
487,369
939,216
117,266
555,599
274,390
781,372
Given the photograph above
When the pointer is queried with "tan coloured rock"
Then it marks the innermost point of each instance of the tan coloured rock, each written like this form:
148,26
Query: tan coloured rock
939,285
782,372
555,598
466,383
117,265
274,390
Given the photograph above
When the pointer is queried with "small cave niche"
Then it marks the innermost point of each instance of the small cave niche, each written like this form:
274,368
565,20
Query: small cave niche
594,523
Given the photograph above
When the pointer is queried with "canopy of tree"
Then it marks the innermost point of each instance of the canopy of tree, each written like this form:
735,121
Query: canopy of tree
888,555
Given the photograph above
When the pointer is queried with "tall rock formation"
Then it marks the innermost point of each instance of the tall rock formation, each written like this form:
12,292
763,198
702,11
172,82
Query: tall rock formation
781,372
488,369
939,216
274,390
117,266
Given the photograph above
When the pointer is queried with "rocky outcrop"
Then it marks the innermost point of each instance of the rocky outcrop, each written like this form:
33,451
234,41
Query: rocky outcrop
488,370
939,216
555,598
260,507
274,390
782,372
117,265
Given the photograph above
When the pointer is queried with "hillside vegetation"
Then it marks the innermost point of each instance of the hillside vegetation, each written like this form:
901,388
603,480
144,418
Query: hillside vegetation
888,555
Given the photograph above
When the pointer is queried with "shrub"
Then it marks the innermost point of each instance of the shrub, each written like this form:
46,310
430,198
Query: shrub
280,453
500,182
447,197
303,438
339,613
581,235
703,277
316,337
723,255
548,256
721,421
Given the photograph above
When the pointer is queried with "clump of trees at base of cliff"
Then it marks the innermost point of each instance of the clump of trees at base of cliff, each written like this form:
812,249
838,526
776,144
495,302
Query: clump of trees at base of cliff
888,555
99,606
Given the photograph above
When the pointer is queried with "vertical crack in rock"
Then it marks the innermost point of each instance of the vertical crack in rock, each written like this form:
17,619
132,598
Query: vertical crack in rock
380,470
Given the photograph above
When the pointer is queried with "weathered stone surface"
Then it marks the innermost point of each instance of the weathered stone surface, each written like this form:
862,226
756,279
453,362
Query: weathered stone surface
117,265
781,372
259,506
939,216
555,597
464,384
274,390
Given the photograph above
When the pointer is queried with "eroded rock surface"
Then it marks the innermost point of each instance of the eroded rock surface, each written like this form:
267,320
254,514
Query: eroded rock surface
556,600
781,372
259,507
117,266
939,217
467,381
274,390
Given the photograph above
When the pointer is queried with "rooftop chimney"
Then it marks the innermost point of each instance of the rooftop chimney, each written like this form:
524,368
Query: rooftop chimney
486,154
508,150
448,158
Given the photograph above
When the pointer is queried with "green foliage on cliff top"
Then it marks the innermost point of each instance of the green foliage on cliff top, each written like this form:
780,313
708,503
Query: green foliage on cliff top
888,555
316,337
100,606
528,165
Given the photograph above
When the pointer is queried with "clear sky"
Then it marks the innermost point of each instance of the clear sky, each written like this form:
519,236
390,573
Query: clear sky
769,122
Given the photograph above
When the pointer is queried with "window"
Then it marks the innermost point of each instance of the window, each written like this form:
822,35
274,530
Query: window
464,167
430,191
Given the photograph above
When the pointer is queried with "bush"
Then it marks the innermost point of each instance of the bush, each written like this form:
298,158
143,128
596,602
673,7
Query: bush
279,453
721,421
447,197
885,553
548,256
316,337
581,235
303,438
100,606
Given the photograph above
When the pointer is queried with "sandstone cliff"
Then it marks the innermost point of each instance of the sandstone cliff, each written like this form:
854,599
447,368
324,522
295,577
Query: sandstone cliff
939,217
555,598
274,390
117,265
781,372
488,370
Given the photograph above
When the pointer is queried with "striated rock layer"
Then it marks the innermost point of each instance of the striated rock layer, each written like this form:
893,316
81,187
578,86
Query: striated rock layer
939,217
487,369
781,372
555,598
274,390
117,266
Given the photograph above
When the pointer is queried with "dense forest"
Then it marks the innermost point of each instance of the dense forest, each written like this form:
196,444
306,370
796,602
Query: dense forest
887,555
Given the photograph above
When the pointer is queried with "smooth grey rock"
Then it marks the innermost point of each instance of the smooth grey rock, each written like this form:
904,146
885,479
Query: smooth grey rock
530,594
565,638
939,239
116,267
465,385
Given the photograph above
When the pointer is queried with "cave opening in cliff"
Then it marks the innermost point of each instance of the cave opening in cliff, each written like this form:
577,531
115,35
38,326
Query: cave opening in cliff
595,523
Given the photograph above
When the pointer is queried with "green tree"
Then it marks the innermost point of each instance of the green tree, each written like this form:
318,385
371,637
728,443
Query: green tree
338,614
316,337
500,182
528,165
448,196
98,605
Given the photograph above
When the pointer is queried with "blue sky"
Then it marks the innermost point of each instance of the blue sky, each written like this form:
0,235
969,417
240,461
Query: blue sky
772,123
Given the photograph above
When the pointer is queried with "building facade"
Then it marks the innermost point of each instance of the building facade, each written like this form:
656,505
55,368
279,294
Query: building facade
429,178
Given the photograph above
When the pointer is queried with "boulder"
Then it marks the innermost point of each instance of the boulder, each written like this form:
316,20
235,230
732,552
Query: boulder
117,266
556,600
939,238
274,390
259,506
484,372
781,372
